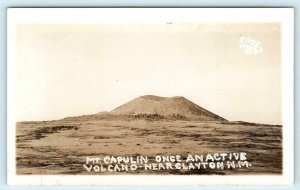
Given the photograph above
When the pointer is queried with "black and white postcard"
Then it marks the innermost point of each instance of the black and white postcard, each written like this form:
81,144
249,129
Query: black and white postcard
146,96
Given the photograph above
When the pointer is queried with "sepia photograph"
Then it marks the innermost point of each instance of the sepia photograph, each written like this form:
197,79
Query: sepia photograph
171,98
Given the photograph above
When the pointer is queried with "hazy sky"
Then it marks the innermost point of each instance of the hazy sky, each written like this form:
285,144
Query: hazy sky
69,70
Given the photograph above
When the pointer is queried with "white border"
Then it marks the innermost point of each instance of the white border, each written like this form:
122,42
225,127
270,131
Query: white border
285,16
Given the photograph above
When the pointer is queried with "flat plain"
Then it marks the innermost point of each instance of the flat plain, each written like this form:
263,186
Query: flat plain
61,147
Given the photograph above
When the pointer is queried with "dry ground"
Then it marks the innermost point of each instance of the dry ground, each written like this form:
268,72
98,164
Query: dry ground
61,147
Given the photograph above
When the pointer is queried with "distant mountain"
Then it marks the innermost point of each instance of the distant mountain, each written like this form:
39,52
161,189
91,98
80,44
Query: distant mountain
176,107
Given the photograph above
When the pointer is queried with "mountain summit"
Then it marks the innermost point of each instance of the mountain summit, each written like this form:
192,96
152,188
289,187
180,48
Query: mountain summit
177,106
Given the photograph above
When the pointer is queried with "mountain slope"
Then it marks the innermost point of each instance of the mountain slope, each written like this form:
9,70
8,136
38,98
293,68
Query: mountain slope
164,106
